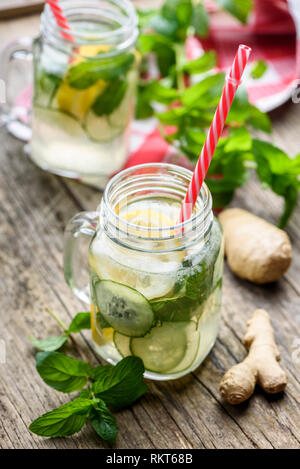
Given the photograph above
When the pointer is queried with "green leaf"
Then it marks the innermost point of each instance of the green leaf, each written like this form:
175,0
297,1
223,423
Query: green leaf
164,26
259,67
238,8
240,108
103,422
202,64
280,173
173,116
87,73
80,321
50,344
179,14
143,108
239,140
100,372
86,393
63,421
173,309
111,97
63,373
206,92
200,19
259,120
157,92
162,47
122,384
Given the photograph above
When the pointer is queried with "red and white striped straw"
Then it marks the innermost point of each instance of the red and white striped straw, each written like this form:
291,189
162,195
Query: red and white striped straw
60,19
231,85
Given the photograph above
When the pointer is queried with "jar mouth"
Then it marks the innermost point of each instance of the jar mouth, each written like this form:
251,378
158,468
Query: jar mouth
118,20
155,180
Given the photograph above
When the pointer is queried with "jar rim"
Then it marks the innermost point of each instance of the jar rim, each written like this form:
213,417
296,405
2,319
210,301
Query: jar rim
126,33
200,221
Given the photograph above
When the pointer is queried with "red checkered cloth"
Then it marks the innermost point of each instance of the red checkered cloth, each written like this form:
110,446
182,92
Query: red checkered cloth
271,32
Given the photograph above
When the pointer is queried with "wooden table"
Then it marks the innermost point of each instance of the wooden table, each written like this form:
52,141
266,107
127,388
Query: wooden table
187,413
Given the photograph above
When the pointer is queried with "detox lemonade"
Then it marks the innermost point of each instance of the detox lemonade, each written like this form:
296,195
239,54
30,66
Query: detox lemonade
84,91
161,305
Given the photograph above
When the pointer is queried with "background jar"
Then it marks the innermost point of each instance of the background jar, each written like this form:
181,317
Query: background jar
84,88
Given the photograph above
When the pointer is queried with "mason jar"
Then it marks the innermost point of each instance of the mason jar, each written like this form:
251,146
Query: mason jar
155,284
84,87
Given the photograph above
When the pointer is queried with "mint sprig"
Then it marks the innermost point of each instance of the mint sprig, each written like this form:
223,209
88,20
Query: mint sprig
189,107
101,387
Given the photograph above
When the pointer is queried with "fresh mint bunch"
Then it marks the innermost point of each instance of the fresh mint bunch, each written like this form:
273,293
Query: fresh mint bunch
102,388
118,386
188,107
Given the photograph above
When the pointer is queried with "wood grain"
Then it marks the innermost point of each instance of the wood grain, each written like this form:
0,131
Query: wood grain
187,413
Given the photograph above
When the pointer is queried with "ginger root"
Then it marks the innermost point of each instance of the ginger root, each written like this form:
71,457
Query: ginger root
259,367
256,250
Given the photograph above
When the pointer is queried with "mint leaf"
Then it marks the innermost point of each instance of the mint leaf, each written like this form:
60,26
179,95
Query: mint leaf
207,91
87,73
177,13
173,309
79,322
259,120
103,422
50,344
280,173
61,372
240,108
143,108
239,140
160,93
258,69
123,383
200,19
111,97
162,47
100,372
238,8
164,26
204,63
63,421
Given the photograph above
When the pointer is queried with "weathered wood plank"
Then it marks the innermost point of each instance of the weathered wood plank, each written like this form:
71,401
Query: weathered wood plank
187,413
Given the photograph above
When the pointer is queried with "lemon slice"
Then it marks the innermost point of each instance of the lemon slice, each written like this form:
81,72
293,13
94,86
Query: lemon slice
107,333
153,275
78,102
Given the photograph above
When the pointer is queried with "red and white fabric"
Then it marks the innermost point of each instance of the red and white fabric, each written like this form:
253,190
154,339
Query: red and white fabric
273,32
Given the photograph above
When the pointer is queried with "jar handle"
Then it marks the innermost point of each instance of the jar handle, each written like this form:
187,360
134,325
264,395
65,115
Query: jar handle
17,111
81,225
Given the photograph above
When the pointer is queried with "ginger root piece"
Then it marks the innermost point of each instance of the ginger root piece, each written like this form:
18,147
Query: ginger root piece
259,367
256,250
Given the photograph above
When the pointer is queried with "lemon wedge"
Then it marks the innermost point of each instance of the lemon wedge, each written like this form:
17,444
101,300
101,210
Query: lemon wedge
107,333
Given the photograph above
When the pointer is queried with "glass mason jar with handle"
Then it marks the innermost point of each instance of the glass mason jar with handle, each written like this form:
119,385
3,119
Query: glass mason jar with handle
155,284
83,89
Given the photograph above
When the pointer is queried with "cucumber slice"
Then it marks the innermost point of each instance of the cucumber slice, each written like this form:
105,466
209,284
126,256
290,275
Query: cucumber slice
100,129
169,348
60,123
122,343
192,348
124,308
